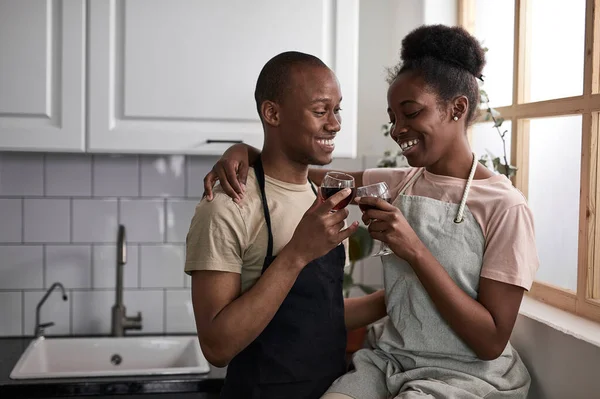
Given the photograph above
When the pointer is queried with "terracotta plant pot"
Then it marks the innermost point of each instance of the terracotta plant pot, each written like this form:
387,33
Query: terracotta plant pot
356,339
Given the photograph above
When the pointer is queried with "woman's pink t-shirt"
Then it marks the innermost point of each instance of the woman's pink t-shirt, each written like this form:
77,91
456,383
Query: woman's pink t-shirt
510,254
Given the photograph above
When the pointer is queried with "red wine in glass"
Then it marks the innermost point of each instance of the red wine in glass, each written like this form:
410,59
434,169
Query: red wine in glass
327,192
365,208
337,181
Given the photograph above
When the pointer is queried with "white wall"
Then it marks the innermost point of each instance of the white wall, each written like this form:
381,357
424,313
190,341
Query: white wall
441,12
375,55
383,25
561,366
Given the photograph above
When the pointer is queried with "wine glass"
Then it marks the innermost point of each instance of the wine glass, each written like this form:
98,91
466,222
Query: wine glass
379,190
337,181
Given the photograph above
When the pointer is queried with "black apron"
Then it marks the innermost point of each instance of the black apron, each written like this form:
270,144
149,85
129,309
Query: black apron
302,350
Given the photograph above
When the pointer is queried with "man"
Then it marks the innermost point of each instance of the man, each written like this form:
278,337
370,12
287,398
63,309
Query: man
267,271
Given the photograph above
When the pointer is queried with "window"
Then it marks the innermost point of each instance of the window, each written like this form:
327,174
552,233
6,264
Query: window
542,76
556,50
494,27
554,183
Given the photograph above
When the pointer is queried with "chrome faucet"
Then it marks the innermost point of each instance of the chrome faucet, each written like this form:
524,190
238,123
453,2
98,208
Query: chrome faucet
120,320
39,328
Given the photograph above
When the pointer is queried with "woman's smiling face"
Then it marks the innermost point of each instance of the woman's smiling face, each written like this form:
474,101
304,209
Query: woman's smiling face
421,125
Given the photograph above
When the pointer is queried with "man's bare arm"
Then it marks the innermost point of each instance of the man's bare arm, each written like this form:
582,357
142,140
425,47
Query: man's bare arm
228,322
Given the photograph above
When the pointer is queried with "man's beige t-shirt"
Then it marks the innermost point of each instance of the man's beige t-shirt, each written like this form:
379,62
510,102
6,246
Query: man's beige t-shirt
225,236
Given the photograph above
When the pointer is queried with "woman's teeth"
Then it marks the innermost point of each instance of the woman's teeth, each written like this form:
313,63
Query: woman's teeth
408,144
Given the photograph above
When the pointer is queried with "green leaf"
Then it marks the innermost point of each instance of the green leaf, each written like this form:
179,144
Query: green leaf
387,163
494,112
496,162
501,168
360,244
386,129
483,96
499,121
484,161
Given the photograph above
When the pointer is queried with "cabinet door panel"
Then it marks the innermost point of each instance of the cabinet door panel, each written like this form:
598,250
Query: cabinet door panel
170,76
42,101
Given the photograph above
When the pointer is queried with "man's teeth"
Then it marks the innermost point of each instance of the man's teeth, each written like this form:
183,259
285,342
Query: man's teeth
408,144
326,142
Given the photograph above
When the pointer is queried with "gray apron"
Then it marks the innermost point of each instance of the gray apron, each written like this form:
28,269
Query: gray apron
418,355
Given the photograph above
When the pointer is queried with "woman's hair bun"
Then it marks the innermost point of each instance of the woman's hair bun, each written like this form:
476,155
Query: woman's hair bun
451,45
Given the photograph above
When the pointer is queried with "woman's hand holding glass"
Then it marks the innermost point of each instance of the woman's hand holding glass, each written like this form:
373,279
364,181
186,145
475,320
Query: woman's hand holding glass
388,225
377,190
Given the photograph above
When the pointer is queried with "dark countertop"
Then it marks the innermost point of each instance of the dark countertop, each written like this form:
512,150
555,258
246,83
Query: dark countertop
11,350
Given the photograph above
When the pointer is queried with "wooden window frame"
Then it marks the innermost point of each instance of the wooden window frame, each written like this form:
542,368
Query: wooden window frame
586,300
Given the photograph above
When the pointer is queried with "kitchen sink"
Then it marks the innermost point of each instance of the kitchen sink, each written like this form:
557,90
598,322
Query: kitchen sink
110,356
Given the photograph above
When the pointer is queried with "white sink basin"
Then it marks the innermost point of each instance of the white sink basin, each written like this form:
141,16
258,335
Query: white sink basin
110,356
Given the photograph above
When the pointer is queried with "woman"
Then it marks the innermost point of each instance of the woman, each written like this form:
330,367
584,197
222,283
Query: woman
462,237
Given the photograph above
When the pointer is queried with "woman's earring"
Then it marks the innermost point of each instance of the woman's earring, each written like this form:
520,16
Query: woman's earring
455,118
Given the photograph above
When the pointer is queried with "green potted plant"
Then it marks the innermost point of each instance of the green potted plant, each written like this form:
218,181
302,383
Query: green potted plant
360,247
500,165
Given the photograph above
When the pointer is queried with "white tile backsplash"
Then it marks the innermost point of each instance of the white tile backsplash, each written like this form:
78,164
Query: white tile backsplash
68,175
11,215
162,266
163,176
144,219
179,216
73,205
70,265
105,266
180,312
47,220
11,313
197,168
152,304
116,176
95,220
21,174
92,312
54,310
21,267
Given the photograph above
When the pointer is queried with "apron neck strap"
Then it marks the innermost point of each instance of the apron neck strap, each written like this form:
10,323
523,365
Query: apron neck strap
412,181
312,186
463,202
260,177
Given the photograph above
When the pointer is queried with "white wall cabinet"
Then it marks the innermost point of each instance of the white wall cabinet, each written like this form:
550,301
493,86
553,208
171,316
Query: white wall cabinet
42,80
174,76
162,76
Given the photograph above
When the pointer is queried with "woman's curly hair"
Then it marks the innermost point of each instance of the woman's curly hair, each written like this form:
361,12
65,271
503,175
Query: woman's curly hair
449,59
